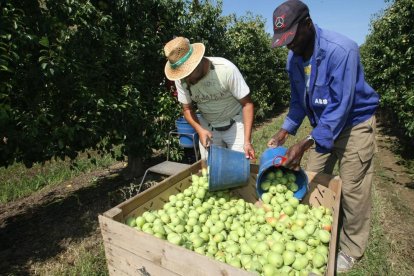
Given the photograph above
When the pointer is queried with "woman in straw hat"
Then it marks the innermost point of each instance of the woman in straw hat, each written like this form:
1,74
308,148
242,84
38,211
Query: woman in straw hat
220,92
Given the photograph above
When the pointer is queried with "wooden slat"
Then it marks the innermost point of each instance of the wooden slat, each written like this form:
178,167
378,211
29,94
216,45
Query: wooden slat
336,185
162,198
114,271
125,263
133,203
114,213
162,253
247,192
320,194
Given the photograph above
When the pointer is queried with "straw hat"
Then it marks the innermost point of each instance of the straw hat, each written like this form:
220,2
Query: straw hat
183,57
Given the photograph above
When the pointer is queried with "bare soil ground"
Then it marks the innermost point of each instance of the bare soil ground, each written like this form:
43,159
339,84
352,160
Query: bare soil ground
43,227
395,185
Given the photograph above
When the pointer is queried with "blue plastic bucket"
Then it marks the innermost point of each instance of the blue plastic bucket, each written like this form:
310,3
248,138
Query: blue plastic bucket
188,136
227,168
272,158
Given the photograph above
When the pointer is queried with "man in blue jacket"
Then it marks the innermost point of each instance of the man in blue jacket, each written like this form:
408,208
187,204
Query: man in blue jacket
328,86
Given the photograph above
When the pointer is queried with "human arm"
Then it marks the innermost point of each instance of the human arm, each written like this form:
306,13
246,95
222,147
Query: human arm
205,136
278,139
239,89
248,114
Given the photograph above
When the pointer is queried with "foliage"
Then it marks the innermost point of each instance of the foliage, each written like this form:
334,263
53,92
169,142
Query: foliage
204,23
388,56
263,67
82,75
79,75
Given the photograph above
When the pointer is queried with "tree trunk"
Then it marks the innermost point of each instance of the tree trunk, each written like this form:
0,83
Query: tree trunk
135,167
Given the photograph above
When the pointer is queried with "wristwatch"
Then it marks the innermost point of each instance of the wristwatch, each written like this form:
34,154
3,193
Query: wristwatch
309,137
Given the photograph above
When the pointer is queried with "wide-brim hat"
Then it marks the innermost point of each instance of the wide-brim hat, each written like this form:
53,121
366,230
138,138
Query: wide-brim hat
286,18
183,57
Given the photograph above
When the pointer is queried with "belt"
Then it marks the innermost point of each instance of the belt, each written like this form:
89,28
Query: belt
224,128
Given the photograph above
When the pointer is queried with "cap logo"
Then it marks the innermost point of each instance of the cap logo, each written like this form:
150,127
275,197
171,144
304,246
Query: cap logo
280,22
284,37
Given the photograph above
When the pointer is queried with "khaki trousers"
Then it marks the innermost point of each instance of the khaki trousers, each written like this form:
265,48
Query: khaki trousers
354,150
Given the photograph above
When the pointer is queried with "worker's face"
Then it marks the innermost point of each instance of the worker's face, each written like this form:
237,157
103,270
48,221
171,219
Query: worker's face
302,43
196,75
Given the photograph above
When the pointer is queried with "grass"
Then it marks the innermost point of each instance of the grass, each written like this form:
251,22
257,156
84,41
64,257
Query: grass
88,257
85,258
375,260
262,135
17,181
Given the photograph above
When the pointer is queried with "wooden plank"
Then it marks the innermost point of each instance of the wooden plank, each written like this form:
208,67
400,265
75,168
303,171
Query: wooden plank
113,271
336,185
123,262
162,198
133,203
248,192
326,190
254,168
162,253
114,213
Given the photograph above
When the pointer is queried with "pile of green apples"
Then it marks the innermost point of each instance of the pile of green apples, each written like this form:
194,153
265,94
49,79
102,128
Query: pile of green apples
276,236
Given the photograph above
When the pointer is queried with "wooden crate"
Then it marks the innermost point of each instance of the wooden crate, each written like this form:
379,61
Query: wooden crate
132,252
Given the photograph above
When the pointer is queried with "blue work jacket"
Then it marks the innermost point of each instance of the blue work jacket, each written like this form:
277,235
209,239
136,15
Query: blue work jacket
338,97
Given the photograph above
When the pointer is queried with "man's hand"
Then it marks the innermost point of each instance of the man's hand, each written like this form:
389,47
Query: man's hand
206,137
295,153
249,151
294,156
278,139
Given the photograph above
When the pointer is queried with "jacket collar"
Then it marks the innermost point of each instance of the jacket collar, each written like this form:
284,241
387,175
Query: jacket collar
319,48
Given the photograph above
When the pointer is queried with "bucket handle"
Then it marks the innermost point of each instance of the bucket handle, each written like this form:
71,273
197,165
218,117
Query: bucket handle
277,158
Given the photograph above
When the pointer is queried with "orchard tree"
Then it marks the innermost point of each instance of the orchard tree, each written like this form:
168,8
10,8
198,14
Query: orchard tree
80,75
84,75
388,57
263,67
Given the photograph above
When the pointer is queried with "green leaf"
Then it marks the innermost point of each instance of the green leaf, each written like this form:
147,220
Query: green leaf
5,69
44,41
61,144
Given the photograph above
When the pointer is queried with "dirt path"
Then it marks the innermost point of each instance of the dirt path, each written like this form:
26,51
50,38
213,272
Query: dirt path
395,187
41,228
37,228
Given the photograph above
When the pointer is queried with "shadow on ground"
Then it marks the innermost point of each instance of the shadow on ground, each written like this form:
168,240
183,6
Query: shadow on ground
43,229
